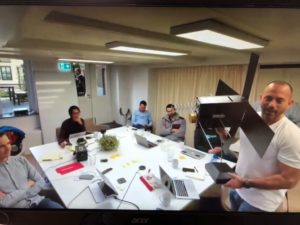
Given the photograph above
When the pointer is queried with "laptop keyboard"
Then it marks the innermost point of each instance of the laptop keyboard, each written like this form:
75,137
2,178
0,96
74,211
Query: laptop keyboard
180,188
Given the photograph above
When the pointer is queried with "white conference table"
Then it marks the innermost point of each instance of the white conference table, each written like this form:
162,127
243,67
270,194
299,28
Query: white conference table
125,163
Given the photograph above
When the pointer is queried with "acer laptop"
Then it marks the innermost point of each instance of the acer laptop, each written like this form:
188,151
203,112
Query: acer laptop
181,188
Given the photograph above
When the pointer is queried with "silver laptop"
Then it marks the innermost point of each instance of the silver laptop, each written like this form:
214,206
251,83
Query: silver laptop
181,188
196,154
77,135
143,141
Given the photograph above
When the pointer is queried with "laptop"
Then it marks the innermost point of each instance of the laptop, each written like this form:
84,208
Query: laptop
181,188
196,154
76,135
143,141
102,189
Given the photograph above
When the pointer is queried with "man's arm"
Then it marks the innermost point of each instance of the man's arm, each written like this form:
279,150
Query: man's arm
286,178
150,122
62,134
36,177
181,131
133,118
163,131
9,200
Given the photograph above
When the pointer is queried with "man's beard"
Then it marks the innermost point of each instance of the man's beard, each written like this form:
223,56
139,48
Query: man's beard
269,111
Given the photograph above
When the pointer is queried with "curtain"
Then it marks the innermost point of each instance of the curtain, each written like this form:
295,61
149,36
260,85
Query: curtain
181,86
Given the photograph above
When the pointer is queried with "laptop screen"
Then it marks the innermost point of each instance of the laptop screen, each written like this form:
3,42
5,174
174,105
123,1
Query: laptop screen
165,179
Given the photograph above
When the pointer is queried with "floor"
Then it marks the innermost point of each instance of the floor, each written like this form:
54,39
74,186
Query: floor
8,109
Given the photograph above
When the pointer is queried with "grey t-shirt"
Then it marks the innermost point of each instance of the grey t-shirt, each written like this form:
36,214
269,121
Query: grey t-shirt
14,175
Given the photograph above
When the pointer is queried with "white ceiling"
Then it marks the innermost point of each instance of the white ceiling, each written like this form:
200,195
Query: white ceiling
81,32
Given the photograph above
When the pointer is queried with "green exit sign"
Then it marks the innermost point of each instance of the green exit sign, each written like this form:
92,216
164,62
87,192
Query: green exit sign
64,66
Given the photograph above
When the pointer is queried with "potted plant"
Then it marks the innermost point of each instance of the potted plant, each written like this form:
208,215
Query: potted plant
109,143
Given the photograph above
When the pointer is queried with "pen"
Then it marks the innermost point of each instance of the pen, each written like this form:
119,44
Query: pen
195,169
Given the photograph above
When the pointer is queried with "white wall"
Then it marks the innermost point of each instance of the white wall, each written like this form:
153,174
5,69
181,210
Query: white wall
101,105
129,85
291,75
56,92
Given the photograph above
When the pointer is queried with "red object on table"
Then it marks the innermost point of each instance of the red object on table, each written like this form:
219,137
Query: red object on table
69,168
145,182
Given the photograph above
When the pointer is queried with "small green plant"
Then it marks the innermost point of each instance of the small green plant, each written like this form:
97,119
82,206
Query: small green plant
109,143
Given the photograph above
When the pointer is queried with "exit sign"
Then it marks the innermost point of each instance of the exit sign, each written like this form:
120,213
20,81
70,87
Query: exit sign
64,66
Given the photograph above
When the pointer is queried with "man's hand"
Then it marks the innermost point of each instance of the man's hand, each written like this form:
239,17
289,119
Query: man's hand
2,194
235,182
215,150
30,183
62,144
78,120
174,131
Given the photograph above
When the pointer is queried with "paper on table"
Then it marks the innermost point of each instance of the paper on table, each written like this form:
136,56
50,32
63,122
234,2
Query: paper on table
200,175
52,156
70,148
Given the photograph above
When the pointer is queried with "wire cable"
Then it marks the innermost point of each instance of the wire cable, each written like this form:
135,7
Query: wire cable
128,188
76,196
135,205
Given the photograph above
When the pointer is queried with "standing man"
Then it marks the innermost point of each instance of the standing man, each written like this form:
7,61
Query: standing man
141,118
73,125
260,184
172,125
20,183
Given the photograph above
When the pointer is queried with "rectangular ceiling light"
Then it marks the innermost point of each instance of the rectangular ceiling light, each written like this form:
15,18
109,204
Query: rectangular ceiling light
128,47
216,33
86,61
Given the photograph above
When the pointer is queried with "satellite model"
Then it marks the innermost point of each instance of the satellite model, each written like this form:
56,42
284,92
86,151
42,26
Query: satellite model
229,109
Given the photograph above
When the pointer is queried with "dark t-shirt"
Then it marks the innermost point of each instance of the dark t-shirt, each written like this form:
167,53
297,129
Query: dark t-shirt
68,127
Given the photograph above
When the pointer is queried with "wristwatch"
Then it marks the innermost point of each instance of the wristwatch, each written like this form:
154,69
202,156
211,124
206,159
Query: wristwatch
246,183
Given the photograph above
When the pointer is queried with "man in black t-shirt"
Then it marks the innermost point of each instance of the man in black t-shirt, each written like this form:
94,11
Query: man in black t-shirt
74,124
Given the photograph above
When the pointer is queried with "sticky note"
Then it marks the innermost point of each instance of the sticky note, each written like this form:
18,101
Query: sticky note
114,156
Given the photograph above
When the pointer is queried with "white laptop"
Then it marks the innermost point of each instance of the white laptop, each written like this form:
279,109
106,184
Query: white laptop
77,135
143,141
102,189
181,188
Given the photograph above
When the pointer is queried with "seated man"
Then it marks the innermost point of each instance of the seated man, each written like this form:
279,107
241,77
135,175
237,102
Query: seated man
172,125
20,182
73,125
141,118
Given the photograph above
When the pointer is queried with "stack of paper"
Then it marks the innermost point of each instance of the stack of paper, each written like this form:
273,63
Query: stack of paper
52,156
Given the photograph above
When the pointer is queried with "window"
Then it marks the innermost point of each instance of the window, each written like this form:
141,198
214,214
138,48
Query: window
5,73
14,99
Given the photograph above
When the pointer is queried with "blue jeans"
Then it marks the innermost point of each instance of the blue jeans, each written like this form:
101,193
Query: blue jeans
240,205
47,203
